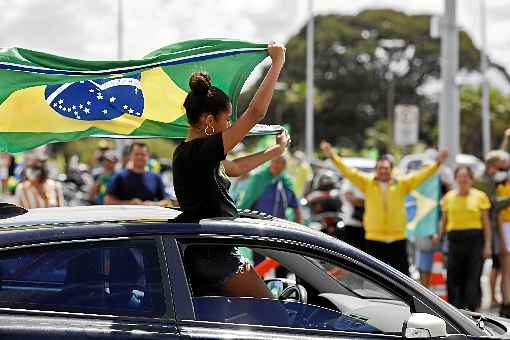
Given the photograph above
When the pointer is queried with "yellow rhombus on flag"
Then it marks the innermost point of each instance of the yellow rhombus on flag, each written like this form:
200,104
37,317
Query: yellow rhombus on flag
46,98
423,209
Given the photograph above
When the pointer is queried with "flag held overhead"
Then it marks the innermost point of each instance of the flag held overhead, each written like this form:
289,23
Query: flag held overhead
46,98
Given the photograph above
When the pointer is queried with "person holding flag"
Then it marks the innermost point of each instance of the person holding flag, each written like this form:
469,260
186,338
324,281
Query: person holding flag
201,171
385,214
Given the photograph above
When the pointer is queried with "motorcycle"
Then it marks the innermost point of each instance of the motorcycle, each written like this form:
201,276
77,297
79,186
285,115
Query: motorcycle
325,205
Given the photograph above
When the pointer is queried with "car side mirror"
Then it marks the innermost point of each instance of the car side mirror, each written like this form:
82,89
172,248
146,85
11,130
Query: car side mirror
424,326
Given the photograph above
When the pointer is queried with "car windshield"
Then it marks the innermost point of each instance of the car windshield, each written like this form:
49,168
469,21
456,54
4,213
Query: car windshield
355,283
488,325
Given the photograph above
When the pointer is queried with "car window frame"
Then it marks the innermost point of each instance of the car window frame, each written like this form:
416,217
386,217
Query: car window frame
259,242
168,315
332,255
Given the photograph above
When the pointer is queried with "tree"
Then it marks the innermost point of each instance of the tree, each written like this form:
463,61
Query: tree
470,136
364,64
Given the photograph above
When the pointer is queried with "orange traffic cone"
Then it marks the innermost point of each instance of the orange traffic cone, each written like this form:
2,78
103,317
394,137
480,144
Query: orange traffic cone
438,276
263,267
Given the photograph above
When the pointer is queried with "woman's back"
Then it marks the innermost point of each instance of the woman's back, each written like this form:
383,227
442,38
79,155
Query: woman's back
201,185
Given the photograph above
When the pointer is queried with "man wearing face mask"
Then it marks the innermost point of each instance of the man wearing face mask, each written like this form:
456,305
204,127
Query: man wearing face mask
37,190
495,173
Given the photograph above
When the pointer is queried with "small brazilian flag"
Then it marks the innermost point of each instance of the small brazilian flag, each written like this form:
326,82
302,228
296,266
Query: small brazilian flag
422,207
46,98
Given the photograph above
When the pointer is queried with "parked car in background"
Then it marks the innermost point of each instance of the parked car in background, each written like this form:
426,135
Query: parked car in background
416,161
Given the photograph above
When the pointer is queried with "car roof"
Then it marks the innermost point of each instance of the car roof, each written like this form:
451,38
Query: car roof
364,164
460,159
66,223
359,162
90,214
46,225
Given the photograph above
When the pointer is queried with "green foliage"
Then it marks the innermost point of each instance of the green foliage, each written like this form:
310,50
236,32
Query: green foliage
352,77
470,131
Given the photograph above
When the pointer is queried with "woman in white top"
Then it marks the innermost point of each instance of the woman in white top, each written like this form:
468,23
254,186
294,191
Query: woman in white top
38,191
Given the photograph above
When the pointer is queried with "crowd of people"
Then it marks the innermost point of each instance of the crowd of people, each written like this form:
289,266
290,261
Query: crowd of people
475,218
474,222
475,212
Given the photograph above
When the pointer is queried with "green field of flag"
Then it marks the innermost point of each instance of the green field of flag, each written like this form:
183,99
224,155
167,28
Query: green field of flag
46,98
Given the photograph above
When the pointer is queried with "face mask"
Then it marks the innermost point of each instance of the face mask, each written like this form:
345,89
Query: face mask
33,174
500,176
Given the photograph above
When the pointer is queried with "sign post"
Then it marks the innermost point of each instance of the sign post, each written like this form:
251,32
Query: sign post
406,124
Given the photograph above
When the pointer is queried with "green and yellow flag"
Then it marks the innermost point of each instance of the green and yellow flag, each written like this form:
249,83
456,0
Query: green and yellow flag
46,98
422,207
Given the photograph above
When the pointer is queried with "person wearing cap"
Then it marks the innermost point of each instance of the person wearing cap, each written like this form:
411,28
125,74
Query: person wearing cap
494,174
98,190
385,217
38,190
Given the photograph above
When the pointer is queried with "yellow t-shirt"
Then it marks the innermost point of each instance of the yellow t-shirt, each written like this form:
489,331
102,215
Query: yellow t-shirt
503,190
464,212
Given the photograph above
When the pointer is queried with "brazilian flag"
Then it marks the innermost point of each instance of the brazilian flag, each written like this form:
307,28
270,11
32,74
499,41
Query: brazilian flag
46,98
422,207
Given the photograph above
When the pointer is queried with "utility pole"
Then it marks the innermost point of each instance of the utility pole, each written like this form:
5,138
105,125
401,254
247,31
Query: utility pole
309,121
486,118
120,143
120,30
449,117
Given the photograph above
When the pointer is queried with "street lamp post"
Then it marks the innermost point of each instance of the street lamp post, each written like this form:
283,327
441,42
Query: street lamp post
120,144
309,82
449,117
486,119
120,30
393,52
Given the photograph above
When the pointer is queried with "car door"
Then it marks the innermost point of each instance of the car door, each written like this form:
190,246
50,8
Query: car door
94,289
218,317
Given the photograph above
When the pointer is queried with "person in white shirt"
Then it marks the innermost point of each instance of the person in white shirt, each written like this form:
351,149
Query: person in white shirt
37,190
353,207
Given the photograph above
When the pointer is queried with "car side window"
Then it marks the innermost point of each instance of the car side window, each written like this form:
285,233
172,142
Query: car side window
111,278
307,293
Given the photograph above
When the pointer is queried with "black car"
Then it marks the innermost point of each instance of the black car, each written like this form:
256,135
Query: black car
118,272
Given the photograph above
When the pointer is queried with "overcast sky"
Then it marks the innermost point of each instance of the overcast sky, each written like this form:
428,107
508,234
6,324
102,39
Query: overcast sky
87,29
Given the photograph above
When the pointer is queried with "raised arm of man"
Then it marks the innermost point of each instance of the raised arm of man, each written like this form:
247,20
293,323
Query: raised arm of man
358,178
414,180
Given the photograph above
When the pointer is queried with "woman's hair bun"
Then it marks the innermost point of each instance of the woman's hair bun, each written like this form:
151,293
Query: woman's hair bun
200,83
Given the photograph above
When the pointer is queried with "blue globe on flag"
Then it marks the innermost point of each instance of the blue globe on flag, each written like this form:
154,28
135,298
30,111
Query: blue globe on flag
411,207
100,99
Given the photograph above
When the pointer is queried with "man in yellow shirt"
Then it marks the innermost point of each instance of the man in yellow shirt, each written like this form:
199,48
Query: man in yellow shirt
385,216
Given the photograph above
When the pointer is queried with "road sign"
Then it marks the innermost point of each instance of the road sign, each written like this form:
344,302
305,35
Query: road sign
406,124
435,26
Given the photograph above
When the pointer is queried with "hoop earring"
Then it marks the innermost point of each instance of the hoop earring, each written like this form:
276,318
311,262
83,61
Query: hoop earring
206,132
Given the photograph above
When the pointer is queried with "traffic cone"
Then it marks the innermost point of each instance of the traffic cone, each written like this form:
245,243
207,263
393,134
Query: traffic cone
266,265
438,277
